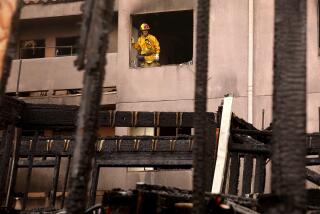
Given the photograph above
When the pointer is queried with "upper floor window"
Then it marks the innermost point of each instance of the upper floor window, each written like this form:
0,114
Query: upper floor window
171,38
32,49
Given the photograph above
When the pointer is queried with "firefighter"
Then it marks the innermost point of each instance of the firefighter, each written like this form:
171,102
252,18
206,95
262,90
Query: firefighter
147,46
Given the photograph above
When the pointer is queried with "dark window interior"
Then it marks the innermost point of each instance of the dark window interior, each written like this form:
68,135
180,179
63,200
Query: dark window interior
67,46
174,30
32,49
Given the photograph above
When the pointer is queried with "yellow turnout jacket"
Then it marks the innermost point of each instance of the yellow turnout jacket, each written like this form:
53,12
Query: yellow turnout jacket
148,47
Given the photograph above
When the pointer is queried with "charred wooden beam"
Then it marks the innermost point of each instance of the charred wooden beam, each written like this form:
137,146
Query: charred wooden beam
65,183
313,162
260,174
37,163
250,148
247,174
173,160
55,180
313,176
95,28
61,116
6,149
10,111
32,145
251,132
289,106
200,159
94,183
13,167
234,173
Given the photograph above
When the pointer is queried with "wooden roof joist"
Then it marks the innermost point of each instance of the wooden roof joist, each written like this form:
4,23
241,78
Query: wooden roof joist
62,116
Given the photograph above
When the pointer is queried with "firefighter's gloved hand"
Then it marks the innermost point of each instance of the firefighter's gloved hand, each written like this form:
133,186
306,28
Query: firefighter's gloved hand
157,57
132,40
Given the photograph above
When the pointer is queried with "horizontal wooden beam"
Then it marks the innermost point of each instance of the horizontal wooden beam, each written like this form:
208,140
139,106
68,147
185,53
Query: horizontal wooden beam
37,163
313,176
62,116
146,159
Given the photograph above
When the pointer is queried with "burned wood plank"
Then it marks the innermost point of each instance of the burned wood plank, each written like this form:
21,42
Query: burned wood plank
49,116
211,153
247,174
10,111
55,180
260,174
32,145
94,184
65,183
66,116
13,167
6,149
250,148
37,163
313,161
313,176
152,159
234,173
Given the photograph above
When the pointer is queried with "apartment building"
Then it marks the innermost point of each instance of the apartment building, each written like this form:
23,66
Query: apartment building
240,63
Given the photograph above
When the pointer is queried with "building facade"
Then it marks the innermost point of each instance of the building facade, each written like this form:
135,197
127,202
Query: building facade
240,63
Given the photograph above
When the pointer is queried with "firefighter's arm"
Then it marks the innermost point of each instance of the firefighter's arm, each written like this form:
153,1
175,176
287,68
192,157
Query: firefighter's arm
156,45
135,45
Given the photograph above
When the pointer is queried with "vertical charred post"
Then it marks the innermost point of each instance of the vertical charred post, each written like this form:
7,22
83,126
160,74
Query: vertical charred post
97,21
289,106
200,120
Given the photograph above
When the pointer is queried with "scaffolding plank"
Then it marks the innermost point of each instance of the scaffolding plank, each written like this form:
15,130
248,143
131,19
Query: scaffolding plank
222,145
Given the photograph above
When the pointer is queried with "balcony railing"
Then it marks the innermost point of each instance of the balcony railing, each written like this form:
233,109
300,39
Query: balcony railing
48,51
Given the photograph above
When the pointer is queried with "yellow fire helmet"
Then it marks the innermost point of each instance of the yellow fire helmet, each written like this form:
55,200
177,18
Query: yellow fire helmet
144,26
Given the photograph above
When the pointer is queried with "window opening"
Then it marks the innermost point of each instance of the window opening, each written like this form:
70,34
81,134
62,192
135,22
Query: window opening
32,49
67,46
173,30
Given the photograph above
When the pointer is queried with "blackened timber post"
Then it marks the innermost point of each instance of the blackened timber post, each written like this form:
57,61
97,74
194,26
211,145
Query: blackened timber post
32,146
5,151
13,167
289,107
95,28
200,120
94,183
260,174
56,172
247,174
65,183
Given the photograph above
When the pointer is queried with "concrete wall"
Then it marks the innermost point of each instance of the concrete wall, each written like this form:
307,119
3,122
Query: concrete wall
153,87
54,73
263,61
35,11
263,64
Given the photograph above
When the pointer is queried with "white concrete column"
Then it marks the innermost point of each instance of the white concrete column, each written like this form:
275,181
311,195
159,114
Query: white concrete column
250,59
